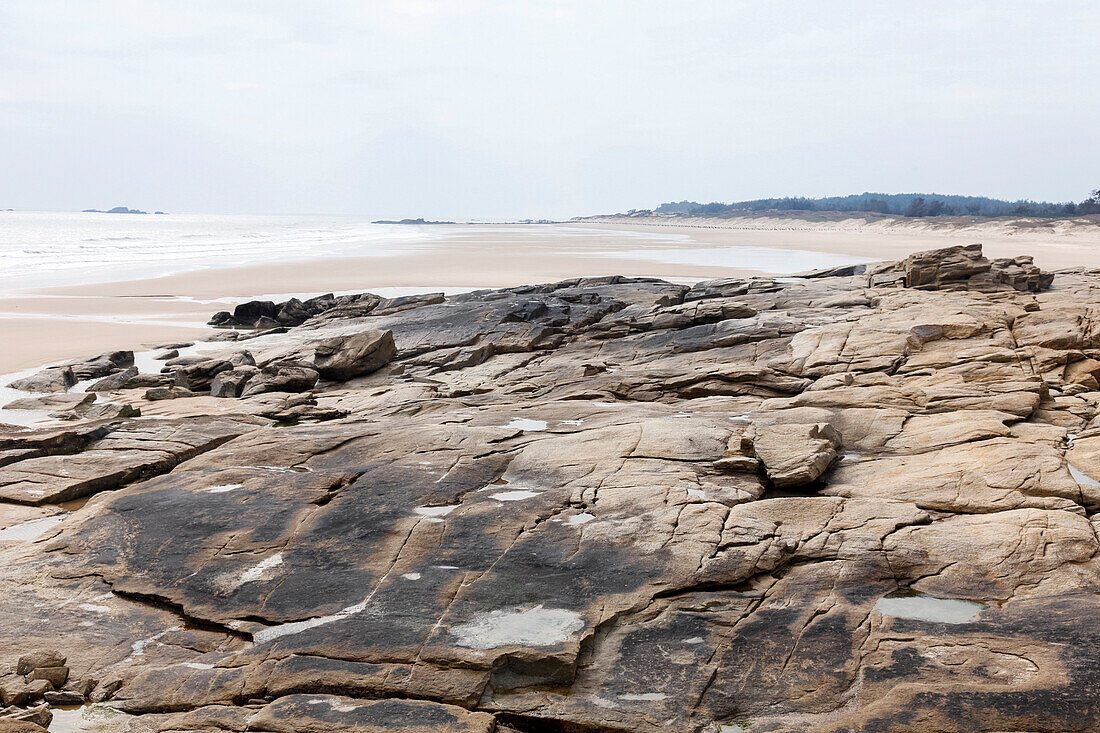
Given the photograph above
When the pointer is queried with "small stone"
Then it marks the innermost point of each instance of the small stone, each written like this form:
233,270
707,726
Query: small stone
64,697
35,689
168,393
40,716
56,676
42,658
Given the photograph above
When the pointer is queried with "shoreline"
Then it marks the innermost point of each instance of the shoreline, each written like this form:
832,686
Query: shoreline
45,325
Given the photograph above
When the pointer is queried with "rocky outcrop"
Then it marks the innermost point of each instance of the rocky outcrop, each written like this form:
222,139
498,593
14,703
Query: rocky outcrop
960,266
281,376
102,365
796,454
601,504
115,381
265,314
54,379
346,357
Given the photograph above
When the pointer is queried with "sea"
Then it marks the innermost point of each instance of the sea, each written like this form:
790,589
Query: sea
41,249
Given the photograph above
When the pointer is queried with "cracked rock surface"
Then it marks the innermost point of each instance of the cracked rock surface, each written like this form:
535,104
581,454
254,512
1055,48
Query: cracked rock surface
836,503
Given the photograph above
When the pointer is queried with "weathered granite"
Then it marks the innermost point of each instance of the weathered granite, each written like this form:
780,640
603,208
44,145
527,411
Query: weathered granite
833,504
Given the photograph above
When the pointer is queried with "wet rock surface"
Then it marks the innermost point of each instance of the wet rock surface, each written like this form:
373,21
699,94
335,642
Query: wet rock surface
839,503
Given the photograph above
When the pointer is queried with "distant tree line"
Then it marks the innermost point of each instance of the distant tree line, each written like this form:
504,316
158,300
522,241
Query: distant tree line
898,204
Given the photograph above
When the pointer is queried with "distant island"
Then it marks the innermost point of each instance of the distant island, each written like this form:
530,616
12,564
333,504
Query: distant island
118,210
409,221
915,205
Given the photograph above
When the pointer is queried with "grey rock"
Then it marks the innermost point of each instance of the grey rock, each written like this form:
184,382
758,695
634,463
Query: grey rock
283,376
347,357
119,380
53,379
168,393
42,658
60,402
231,383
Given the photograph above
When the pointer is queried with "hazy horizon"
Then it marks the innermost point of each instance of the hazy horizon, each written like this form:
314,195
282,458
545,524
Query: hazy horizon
486,110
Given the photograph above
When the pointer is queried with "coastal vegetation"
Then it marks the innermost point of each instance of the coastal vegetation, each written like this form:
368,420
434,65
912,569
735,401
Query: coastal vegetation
915,205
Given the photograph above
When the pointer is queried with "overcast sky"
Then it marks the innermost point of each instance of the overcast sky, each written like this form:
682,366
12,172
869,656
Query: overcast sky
465,108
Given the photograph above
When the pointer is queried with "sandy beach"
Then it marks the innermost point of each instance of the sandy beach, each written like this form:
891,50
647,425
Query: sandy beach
45,325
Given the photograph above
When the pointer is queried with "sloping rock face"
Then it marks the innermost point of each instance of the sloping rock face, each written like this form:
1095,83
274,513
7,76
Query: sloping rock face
596,505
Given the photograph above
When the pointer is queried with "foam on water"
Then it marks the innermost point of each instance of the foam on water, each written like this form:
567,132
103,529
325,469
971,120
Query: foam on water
40,248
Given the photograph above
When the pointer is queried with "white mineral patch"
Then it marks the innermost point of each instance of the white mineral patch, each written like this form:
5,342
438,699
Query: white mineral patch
411,576
524,423
537,626
296,627
340,707
929,608
28,531
698,493
741,418
580,518
223,488
694,640
435,511
256,572
644,697
572,422
1081,477
517,495
93,608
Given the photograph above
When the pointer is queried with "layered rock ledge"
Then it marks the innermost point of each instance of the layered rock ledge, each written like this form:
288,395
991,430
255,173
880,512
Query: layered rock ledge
859,500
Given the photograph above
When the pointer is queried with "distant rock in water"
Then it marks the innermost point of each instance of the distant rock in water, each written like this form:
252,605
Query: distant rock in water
117,210
410,221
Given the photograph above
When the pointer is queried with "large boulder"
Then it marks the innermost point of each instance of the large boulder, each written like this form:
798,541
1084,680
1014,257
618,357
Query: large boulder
59,402
940,266
168,393
347,357
119,380
232,382
282,376
54,379
962,266
102,364
198,377
1021,273
796,454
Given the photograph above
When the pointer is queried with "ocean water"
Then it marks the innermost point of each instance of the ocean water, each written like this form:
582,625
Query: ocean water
47,249
42,249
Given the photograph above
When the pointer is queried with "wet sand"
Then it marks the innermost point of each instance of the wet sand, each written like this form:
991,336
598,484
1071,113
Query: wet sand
53,324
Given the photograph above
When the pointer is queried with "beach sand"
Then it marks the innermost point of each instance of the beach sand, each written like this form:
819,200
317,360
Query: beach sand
54,324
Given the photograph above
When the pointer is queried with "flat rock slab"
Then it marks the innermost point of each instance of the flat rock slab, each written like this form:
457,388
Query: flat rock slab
323,713
833,504
126,453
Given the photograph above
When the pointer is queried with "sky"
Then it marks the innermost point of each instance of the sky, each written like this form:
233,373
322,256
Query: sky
459,109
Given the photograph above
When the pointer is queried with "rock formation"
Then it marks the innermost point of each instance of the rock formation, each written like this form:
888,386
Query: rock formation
840,503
